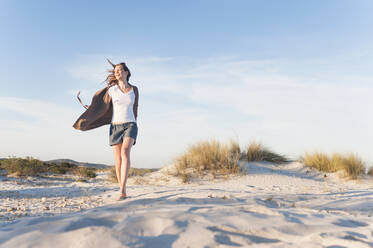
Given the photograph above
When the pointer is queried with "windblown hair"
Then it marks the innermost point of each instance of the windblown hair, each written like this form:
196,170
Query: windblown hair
110,79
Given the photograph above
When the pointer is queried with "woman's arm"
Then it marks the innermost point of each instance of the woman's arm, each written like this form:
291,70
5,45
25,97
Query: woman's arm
136,104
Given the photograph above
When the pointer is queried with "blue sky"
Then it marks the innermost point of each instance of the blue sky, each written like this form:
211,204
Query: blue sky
295,75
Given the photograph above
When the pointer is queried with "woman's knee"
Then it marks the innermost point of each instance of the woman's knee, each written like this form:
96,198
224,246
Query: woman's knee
118,162
125,152
117,153
118,159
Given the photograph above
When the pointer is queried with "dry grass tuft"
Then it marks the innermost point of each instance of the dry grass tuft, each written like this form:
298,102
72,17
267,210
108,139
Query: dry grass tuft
257,152
322,161
208,157
353,166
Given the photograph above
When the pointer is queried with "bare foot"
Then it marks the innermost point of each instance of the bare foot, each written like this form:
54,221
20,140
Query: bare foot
122,196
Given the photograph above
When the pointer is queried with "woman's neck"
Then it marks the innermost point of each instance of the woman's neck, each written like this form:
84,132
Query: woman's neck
123,83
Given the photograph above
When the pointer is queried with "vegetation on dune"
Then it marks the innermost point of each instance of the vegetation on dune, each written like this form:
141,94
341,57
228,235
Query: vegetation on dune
85,172
24,167
62,168
140,171
222,159
29,166
133,172
351,164
203,158
208,157
354,166
257,152
370,171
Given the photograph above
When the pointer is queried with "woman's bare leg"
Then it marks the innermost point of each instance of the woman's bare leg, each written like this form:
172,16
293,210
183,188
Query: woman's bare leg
118,161
126,162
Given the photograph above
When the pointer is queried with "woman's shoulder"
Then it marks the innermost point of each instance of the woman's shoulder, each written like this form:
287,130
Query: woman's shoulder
111,88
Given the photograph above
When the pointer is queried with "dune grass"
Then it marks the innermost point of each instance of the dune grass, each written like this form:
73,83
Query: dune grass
208,157
351,164
257,152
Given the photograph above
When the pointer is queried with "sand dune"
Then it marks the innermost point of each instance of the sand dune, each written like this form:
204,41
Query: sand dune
273,206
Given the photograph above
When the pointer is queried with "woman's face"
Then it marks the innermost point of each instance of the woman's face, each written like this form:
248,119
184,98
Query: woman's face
119,73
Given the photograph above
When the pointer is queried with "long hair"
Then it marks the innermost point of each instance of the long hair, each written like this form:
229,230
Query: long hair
110,79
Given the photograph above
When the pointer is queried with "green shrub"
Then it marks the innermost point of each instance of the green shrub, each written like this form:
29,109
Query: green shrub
62,168
3,172
34,167
133,172
81,180
24,166
140,171
256,152
85,172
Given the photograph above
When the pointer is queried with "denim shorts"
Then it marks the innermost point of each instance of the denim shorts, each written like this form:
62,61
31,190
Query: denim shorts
119,131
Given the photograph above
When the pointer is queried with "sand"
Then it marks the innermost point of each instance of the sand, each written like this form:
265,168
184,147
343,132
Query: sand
285,205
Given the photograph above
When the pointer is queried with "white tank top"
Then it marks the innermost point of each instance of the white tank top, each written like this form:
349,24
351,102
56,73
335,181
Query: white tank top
122,105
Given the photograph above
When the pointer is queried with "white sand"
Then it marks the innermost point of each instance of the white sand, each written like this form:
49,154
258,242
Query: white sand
272,206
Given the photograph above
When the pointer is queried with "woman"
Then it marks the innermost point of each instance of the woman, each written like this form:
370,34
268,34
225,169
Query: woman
116,105
123,126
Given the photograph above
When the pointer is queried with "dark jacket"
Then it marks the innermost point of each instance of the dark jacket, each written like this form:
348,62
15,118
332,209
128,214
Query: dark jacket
100,112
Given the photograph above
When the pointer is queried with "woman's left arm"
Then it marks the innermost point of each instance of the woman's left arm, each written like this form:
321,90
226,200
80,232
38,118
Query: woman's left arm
136,104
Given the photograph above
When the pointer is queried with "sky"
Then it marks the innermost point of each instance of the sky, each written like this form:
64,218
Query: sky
294,75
